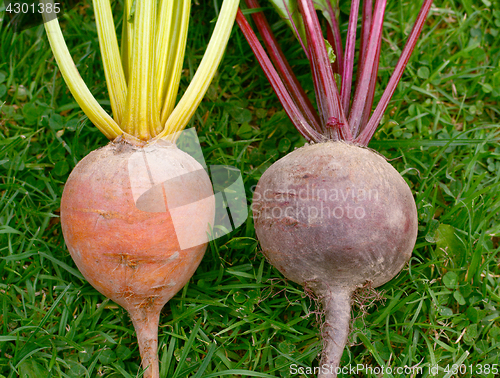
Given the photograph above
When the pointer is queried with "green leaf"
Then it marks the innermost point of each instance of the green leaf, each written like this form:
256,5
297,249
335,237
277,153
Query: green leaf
331,54
31,369
239,297
286,347
423,72
56,122
76,370
61,168
471,333
107,356
289,12
3,90
466,290
450,280
30,113
2,77
325,5
242,116
494,333
487,88
86,355
123,352
284,145
459,298
245,131
448,243
445,311
431,235
472,314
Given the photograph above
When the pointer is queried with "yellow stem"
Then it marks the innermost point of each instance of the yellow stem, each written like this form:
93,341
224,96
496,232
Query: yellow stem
140,112
176,50
186,107
164,31
126,36
113,69
77,86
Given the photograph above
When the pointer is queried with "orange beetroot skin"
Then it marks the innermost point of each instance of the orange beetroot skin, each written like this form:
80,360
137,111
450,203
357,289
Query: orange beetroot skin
133,256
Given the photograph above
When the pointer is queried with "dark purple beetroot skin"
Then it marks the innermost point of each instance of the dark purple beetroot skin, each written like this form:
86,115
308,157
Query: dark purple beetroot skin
334,216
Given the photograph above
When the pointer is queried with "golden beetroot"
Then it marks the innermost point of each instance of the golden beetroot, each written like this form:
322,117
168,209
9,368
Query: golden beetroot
137,214
130,255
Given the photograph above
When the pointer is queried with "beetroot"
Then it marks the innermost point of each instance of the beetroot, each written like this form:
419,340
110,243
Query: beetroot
125,240
333,217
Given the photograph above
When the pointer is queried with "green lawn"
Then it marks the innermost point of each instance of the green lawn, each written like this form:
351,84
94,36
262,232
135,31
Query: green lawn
238,317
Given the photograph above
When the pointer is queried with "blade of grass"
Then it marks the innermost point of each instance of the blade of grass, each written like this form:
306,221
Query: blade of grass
327,95
239,372
289,106
63,265
176,50
206,360
43,321
167,357
460,362
372,125
283,67
187,348
113,69
186,107
363,83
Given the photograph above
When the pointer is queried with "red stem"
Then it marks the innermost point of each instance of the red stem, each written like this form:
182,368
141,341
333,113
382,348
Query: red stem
283,67
371,91
329,37
349,56
367,134
286,100
335,39
296,30
363,84
327,95
366,26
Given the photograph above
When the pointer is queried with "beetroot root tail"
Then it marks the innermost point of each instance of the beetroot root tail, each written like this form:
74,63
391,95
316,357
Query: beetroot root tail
337,307
146,326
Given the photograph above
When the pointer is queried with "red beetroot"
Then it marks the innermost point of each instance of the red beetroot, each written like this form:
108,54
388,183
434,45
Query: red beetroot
333,217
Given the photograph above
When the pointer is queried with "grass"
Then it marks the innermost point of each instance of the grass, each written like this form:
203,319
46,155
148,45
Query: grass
238,317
